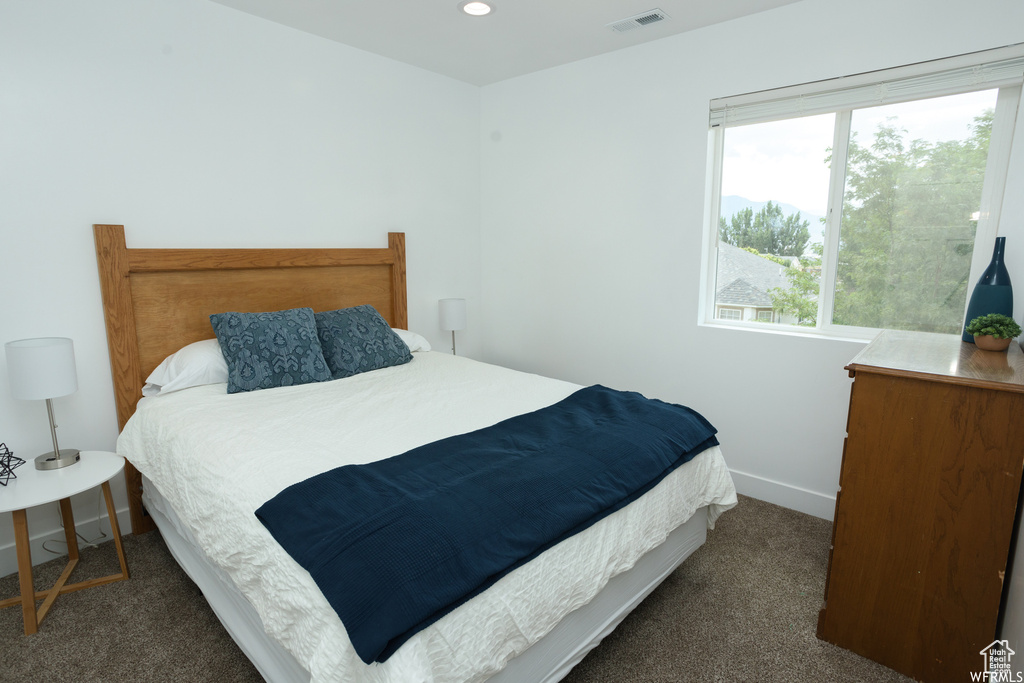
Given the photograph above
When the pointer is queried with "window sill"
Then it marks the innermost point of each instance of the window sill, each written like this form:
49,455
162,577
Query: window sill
845,334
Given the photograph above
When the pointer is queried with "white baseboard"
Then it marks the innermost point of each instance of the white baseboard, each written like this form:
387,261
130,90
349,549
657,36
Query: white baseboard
785,495
86,526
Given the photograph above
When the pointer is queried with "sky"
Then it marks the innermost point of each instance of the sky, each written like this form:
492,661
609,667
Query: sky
784,161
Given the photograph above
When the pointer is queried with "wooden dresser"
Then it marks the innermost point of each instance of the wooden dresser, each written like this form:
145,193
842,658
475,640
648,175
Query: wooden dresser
928,494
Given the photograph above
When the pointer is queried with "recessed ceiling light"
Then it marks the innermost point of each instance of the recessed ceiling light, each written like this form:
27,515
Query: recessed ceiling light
475,7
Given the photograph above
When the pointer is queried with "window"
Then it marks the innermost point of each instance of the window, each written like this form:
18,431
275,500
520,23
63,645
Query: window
730,314
845,209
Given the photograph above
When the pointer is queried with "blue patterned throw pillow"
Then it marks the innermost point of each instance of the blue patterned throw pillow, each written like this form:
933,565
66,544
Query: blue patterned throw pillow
357,340
265,350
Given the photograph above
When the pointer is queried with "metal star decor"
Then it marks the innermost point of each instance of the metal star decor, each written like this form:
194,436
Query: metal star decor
7,464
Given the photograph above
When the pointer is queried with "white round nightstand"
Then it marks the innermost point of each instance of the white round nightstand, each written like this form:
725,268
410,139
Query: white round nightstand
31,487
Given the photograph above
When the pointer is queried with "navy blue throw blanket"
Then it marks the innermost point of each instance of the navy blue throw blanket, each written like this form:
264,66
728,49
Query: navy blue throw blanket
394,545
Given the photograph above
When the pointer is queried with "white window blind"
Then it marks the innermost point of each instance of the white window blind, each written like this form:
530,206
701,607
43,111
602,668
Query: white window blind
965,73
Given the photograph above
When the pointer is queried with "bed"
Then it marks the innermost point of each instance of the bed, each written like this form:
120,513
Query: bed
201,485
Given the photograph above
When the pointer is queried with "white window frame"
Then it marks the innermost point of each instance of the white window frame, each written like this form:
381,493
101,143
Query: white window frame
1002,68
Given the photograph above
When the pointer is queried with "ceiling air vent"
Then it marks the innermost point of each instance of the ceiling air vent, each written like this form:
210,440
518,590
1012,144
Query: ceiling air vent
638,21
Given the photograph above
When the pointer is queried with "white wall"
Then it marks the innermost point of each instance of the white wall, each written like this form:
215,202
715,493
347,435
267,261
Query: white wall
593,217
196,125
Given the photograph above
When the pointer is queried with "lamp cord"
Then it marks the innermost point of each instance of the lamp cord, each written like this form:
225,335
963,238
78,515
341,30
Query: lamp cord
94,543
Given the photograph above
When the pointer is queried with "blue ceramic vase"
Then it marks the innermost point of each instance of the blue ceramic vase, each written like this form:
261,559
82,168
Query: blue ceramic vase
993,293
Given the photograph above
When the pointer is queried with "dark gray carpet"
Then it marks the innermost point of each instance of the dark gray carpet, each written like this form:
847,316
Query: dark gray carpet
743,608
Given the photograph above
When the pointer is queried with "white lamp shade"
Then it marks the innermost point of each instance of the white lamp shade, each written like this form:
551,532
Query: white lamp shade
41,368
452,313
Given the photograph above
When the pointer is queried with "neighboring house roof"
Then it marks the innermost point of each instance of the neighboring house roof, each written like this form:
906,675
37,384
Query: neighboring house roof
744,278
742,293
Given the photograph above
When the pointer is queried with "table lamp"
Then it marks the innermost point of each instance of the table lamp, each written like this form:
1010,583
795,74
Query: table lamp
452,313
44,368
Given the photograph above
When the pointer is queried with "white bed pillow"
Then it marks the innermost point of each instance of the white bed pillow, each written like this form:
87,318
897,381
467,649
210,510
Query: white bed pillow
414,341
198,363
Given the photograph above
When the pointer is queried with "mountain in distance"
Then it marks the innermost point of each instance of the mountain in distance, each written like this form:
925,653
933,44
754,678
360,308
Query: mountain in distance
733,203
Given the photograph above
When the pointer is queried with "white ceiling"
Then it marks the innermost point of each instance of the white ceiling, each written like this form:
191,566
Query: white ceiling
518,37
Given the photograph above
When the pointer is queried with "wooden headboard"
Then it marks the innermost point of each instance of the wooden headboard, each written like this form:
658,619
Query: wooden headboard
156,301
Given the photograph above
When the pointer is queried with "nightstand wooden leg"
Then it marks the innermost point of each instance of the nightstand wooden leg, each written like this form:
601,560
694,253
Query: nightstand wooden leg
70,536
115,528
21,542
29,595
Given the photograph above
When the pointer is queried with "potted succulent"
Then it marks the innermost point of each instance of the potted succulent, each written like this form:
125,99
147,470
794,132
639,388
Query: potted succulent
994,331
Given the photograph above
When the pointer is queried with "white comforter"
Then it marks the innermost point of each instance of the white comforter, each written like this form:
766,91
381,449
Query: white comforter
215,458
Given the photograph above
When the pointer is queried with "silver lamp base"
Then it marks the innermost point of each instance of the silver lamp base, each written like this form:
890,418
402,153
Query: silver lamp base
63,458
